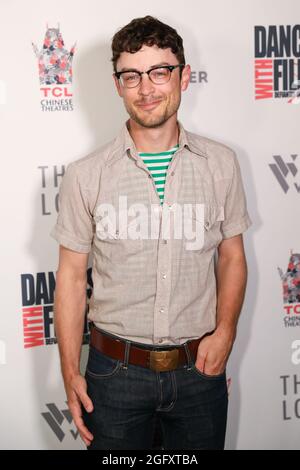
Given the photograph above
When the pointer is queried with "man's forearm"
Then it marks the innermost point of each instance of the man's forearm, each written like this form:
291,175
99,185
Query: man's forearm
214,350
69,311
231,286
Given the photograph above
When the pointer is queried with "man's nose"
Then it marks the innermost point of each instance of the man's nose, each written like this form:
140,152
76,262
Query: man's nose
145,86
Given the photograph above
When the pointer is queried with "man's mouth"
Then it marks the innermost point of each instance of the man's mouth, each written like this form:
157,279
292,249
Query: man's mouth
149,104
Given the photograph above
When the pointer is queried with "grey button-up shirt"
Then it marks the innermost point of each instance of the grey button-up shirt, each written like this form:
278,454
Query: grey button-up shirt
151,286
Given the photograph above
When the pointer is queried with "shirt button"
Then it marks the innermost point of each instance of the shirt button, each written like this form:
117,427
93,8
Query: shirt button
164,276
206,224
149,176
160,340
172,173
162,310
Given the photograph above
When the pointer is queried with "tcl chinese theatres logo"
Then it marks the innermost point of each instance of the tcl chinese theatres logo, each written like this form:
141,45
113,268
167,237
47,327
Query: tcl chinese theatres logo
55,71
291,290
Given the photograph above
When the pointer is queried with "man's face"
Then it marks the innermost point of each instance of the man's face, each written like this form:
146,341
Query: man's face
148,104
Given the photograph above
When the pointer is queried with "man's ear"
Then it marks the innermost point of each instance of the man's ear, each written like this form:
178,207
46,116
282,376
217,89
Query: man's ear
185,77
118,86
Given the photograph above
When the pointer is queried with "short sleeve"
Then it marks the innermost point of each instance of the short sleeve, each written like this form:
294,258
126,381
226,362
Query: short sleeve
74,225
236,217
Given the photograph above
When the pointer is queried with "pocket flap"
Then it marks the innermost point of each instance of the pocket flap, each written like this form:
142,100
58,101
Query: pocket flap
213,214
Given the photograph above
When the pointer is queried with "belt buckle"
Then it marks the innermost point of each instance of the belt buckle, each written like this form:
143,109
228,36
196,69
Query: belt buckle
164,360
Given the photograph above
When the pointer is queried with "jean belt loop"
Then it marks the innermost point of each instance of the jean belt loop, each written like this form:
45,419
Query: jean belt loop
126,356
188,355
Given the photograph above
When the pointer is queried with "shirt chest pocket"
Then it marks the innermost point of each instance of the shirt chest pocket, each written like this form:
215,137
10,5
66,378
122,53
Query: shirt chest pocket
204,228
118,236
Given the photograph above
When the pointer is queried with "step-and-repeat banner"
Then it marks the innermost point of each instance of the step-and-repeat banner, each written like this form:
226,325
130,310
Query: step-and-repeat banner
244,92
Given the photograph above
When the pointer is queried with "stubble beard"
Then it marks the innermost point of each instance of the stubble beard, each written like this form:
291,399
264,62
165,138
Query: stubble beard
154,121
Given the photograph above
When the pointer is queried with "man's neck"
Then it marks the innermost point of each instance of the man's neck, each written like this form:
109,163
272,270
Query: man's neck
154,140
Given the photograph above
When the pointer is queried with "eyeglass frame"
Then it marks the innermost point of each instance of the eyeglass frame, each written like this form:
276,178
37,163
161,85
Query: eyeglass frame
169,67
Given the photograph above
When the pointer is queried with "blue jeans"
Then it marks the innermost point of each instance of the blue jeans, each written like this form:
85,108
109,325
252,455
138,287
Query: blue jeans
133,403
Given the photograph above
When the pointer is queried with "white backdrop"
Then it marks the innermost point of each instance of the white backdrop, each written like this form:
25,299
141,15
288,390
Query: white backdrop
35,144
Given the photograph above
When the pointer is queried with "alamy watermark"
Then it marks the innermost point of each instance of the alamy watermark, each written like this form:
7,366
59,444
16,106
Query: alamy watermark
138,221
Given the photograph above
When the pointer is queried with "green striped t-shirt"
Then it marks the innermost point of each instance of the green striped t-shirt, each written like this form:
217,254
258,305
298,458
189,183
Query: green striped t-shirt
157,164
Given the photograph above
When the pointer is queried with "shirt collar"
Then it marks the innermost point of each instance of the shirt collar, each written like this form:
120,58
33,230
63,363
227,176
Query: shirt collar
124,144
193,143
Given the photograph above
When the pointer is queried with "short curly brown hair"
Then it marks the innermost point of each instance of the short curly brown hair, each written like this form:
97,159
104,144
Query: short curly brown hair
147,31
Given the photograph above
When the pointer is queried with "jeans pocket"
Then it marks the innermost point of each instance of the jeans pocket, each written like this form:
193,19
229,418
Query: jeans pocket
101,366
207,376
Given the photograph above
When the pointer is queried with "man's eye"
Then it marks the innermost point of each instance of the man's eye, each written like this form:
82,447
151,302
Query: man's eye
159,73
129,77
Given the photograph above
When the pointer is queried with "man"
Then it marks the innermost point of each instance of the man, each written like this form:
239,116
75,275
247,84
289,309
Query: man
164,309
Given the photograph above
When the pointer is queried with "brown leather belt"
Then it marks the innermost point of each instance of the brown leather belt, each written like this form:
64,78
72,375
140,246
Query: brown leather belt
157,358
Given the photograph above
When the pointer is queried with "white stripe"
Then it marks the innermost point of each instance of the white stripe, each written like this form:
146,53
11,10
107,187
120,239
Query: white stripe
153,165
153,172
157,157
159,179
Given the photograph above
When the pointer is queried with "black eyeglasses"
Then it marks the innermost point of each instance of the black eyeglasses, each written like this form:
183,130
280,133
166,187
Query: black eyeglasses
157,75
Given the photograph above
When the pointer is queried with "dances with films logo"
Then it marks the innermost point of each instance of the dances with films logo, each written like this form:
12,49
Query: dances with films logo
291,291
37,308
55,72
277,65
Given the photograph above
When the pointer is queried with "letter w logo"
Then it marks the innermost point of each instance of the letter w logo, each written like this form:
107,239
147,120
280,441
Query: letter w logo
281,170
